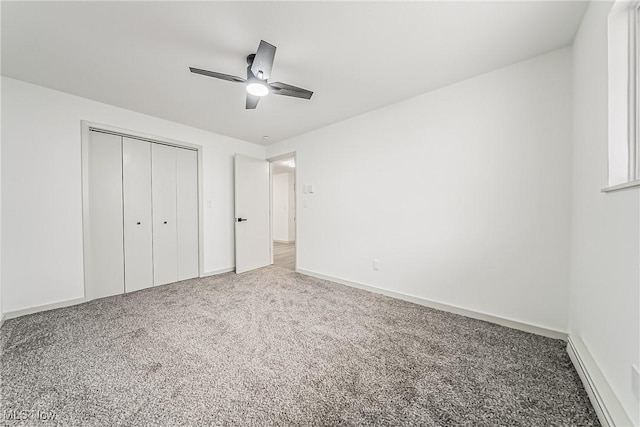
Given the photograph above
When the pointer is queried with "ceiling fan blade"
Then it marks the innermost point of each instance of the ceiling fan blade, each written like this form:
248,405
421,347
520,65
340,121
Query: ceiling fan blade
263,61
284,89
252,101
217,75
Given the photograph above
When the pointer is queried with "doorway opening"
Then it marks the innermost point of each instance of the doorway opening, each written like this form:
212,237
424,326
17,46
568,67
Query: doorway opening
283,211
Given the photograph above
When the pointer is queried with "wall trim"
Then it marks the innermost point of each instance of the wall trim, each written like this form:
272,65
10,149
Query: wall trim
622,186
44,307
221,271
503,321
2,320
76,301
606,404
284,241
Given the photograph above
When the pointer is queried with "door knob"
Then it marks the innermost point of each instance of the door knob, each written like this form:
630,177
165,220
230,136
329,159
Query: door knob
242,219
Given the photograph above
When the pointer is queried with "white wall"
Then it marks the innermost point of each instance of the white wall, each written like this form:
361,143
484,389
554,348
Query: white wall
291,200
463,194
280,183
284,229
1,310
605,244
282,207
41,189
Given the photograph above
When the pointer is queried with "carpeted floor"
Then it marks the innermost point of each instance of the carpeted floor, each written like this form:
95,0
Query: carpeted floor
273,347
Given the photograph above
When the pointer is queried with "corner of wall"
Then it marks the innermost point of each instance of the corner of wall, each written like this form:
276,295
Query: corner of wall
607,406
605,239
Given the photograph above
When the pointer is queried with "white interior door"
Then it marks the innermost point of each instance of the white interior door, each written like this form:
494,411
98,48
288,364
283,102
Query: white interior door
252,213
104,252
187,212
165,239
136,173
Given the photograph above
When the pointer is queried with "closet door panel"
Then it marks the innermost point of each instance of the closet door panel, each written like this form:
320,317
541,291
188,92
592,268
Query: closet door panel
187,213
138,255
165,242
105,253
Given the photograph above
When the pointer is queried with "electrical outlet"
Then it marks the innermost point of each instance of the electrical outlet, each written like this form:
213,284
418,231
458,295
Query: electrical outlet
376,264
635,381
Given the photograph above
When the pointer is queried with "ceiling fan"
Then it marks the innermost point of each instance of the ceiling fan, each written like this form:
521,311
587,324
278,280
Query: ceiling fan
258,74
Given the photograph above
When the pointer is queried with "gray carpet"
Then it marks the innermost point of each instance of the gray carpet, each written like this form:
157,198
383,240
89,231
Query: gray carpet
273,347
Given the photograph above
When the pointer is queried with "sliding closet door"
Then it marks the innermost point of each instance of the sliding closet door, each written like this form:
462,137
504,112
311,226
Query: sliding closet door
165,239
187,212
138,255
104,254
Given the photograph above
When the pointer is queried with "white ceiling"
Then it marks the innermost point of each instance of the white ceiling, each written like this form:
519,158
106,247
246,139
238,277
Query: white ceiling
355,56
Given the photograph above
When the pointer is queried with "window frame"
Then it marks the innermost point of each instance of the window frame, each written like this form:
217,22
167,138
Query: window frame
634,93
624,108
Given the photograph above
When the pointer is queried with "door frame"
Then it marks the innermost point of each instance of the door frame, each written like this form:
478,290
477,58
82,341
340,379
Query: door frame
86,128
289,155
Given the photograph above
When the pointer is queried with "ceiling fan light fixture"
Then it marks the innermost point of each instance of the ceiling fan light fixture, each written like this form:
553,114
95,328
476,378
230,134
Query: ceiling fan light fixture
257,88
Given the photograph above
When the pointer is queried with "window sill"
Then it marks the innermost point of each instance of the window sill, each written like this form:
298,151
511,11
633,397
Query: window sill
623,186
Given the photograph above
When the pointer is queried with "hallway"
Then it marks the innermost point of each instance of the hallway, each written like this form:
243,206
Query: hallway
284,255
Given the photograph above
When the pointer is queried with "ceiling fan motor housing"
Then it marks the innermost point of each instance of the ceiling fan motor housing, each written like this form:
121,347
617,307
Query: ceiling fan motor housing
259,74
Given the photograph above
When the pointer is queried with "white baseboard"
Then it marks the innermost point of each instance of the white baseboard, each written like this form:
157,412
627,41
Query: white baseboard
510,323
2,320
68,303
607,406
44,307
284,241
221,271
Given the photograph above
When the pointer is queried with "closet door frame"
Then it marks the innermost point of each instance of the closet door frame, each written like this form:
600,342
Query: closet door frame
86,128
